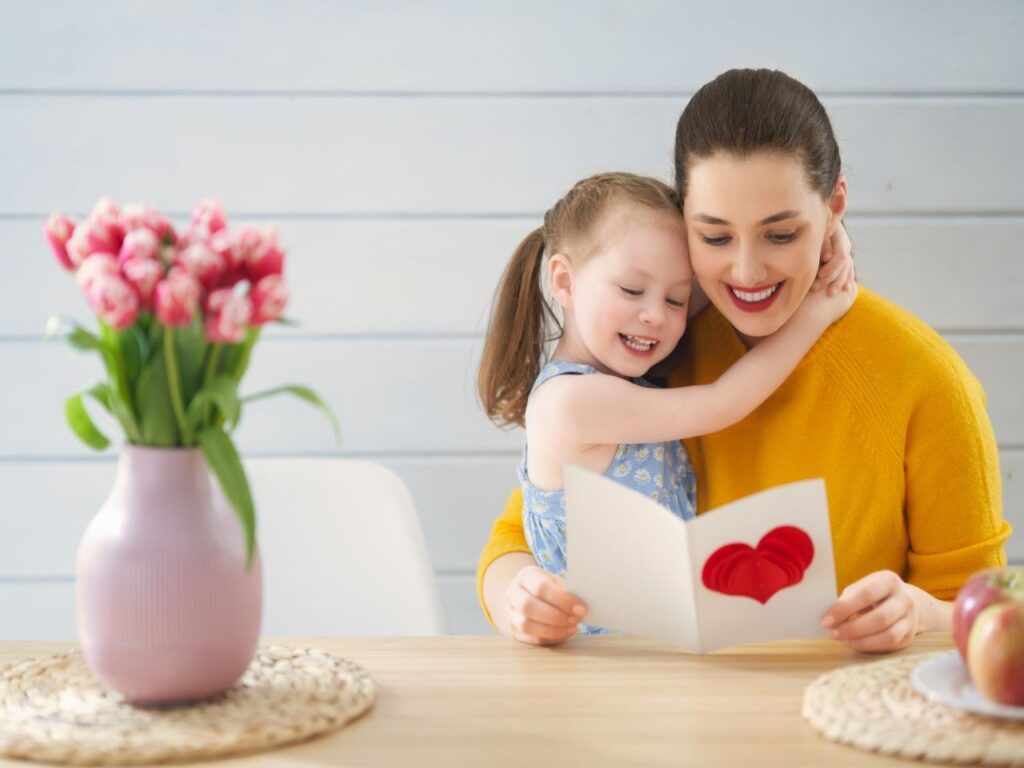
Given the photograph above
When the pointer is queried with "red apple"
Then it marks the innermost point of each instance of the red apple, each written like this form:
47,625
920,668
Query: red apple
982,590
995,653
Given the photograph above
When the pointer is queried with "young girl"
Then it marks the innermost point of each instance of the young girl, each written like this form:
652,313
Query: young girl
619,268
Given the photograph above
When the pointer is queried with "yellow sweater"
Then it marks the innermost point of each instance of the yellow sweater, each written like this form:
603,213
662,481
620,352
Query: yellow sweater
882,408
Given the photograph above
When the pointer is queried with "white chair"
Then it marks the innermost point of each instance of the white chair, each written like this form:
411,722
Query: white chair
343,552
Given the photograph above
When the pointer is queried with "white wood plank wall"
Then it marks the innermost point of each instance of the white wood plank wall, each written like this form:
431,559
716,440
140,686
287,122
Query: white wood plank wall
403,149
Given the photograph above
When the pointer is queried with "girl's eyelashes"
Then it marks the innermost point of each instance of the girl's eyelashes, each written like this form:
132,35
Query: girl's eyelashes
637,292
782,237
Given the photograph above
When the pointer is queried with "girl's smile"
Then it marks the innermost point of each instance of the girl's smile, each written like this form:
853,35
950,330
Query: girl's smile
638,278
640,346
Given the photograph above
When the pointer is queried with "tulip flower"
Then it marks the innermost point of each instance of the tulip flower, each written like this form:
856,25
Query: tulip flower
143,275
208,218
57,230
268,298
176,298
227,315
203,263
93,236
105,208
78,245
265,258
229,245
141,216
114,300
94,266
139,244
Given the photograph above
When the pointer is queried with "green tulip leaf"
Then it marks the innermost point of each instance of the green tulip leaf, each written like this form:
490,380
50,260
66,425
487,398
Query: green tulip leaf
156,416
134,351
81,422
75,335
190,346
219,392
305,393
227,466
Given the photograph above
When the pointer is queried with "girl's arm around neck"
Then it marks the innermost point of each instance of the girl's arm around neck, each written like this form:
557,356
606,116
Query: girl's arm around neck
605,410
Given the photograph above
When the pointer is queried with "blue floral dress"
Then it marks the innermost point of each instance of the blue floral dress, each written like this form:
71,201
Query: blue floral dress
661,471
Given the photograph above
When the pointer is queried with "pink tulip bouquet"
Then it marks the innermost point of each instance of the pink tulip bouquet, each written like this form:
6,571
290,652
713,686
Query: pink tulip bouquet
178,318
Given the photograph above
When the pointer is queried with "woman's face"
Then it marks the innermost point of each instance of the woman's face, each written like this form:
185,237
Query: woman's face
755,229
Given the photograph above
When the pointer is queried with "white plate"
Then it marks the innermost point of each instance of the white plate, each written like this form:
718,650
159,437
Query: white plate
944,680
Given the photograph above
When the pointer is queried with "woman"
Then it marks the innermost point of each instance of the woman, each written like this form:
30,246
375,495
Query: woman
881,407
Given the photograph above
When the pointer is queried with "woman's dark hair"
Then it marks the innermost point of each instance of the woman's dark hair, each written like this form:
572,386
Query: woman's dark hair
744,111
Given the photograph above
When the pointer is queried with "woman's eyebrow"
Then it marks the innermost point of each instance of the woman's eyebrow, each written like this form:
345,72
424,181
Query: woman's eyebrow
780,216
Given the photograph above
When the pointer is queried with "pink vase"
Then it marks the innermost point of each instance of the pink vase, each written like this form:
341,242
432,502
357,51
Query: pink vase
167,611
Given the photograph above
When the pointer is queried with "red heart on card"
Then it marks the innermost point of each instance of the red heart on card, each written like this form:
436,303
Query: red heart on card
778,562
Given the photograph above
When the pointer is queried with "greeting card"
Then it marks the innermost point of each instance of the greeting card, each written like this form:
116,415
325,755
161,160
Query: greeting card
760,568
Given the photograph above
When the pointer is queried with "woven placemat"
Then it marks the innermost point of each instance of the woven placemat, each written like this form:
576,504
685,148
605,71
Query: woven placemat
53,710
875,707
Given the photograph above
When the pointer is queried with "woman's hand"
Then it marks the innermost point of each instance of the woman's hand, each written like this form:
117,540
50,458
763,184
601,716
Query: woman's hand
836,272
878,614
541,610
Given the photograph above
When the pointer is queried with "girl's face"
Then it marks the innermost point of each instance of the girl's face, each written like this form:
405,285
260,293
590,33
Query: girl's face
626,303
756,229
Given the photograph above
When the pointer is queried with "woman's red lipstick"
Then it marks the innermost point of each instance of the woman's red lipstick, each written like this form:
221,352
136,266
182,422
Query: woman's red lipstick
755,306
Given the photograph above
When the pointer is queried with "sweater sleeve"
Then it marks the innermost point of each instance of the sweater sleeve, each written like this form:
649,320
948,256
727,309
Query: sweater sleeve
506,536
953,494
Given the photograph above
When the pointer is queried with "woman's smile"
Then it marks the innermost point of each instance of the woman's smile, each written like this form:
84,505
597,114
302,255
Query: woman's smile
756,299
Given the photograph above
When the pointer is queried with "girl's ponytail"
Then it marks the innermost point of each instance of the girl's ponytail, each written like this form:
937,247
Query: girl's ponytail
516,335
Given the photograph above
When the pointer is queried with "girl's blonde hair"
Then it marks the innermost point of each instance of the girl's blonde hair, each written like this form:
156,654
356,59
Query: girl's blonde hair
517,334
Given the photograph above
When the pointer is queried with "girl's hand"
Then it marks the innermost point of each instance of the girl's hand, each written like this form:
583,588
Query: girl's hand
836,272
878,614
822,309
541,610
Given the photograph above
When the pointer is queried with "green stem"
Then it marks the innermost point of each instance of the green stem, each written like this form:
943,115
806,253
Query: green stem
211,370
211,362
175,386
252,336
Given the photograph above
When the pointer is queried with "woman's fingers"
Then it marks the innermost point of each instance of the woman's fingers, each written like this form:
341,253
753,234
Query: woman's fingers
892,638
867,592
541,610
535,632
875,620
879,613
529,606
551,589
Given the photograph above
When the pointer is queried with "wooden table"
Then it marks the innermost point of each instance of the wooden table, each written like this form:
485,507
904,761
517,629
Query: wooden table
596,701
